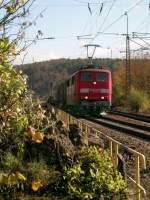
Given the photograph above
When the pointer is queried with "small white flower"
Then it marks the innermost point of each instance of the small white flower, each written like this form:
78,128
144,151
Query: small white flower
18,109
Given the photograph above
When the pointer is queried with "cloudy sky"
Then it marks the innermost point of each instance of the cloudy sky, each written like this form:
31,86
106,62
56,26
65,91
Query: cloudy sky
74,23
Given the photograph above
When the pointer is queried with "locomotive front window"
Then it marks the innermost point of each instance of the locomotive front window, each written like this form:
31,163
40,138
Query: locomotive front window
86,76
102,76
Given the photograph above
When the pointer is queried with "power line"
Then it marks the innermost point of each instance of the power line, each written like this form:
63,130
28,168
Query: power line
93,3
88,20
107,14
122,15
141,33
117,34
86,36
89,24
142,40
104,19
100,8
129,10
67,5
143,24
137,43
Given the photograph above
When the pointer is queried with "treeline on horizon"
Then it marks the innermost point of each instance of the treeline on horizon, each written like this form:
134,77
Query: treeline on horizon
42,74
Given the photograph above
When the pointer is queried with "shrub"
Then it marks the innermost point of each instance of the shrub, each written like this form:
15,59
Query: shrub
93,177
117,95
10,162
138,100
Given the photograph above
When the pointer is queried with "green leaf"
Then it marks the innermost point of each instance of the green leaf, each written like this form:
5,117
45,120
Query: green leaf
10,9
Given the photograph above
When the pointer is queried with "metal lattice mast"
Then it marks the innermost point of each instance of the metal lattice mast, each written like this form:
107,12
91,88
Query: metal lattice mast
128,67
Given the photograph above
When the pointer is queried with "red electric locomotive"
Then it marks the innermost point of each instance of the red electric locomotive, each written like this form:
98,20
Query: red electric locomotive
89,90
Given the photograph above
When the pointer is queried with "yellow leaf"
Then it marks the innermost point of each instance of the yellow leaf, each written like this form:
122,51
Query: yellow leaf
20,176
30,131
38,137
12,179
3,178
10,9
36,185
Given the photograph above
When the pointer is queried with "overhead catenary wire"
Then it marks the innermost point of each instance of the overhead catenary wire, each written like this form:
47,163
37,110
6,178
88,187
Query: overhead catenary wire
117,19
76,3
88,35
107,14
141,33
129,10
142,47
143,24
100,11
91,12
142,40
117,34
89,24
93,3
104,20
101,8
137,43
103,32
73,4
97,12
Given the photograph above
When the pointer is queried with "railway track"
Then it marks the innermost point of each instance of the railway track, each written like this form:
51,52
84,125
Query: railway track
140,117
140,131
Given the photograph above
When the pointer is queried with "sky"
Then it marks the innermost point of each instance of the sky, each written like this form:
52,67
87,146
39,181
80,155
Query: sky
75,23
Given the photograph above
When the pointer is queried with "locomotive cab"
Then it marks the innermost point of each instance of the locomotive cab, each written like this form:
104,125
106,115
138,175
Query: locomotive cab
95,89
89,90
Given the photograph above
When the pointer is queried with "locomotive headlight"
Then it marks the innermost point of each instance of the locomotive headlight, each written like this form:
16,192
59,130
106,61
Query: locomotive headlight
102,97
94,82
86,97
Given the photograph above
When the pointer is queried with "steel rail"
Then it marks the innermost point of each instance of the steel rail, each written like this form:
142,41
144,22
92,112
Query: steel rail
123,128
134,125
114,146
132,116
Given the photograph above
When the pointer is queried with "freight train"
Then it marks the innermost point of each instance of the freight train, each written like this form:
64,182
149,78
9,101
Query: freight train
87,91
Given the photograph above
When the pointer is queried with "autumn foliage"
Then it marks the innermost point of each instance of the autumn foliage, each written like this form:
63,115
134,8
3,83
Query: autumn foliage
140,85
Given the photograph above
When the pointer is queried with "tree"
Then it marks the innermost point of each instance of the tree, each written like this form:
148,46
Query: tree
13,84
16,107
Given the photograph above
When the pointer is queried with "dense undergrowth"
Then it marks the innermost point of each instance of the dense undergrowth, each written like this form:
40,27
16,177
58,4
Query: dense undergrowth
39,157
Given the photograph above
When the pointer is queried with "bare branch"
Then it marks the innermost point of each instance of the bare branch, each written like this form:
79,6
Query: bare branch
11,16
2,5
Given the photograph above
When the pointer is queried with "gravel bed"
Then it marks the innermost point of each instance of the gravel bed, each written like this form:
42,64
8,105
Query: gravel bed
139,145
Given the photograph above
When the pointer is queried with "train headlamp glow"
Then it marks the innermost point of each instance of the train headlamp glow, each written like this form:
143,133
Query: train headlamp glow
86,97
102,97
94,82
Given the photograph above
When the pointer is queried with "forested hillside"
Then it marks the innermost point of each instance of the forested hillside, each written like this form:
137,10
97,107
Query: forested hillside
41,74
140,74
